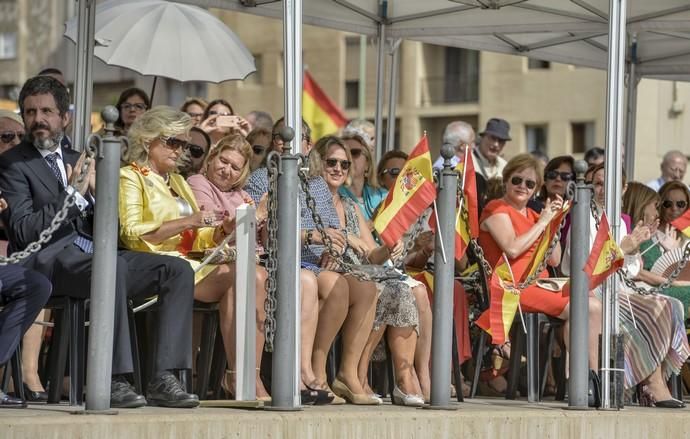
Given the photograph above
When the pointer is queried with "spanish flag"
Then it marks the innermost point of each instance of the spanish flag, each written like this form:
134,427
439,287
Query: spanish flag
466,229
319,111
682,223
504,299
544,242
413,191
606,256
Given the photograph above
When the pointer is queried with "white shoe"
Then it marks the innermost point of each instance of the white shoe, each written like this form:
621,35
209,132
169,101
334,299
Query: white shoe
400,398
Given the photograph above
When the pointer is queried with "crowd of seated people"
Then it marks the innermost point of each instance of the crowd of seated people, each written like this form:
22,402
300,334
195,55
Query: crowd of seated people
186,171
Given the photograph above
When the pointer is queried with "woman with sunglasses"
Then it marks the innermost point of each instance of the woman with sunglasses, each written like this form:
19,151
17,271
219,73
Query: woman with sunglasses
671,202
219,120
389,168
557,174
508,227
11,130
132,103
194,155
401,302
655,344
219,188
159,214
260,139
362,187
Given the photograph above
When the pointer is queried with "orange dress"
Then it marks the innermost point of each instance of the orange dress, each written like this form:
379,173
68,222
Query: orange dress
534,298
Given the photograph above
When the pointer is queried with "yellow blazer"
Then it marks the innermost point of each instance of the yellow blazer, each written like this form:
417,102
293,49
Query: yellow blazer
146,203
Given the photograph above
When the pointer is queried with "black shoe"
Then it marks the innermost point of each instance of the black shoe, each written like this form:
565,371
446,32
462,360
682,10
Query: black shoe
123,396
10,402
166,391
33,396
670,404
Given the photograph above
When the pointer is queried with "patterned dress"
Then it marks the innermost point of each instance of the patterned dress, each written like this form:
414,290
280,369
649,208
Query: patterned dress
396,304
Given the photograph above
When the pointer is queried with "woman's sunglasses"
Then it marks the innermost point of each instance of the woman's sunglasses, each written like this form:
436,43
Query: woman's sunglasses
517,181
258,149
565,176
174,144
332,163
393,172
195,151
8,136
681,204
355,153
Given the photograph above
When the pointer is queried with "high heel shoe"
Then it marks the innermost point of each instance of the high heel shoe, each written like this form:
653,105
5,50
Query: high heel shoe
401,398
321,396
33,395
341,389
647,399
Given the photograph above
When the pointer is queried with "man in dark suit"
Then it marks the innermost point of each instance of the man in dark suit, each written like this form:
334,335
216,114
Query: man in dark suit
35,178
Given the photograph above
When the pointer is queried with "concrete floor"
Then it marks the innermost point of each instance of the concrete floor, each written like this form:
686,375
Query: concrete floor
479,418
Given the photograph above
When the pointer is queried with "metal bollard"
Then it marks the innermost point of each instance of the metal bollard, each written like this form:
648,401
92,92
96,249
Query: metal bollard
441,343
579,292
285,351
245,303
100,353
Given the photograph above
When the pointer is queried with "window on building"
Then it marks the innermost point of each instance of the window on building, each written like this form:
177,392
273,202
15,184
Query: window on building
352,94
583,136
535,64
536,138
8,45
461,79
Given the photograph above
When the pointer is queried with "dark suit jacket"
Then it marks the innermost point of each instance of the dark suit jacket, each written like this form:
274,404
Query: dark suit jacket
34,196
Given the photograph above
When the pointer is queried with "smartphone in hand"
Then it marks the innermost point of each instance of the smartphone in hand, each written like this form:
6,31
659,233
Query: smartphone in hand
227,121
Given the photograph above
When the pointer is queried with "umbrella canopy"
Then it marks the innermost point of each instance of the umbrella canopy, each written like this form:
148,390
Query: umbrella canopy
160,38
566,31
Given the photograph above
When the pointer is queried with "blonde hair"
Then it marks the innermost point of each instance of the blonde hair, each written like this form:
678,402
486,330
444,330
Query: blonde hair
7,114
350,134
160,121
636,197
193,101
233,142
521,162
320,150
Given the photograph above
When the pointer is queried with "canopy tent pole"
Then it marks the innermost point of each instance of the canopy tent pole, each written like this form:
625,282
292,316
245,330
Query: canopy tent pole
380,67
285,371
392,95
614,183
362,92
83,84
631,114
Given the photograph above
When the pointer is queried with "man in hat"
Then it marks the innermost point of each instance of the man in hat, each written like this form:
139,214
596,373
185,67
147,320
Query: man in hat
487,157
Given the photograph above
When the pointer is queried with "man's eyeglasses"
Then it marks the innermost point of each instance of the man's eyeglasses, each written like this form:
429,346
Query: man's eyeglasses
174,144
393,172
517,181
195,115
195,151
332,163
138,107
680,204
8,136
258,149
565,176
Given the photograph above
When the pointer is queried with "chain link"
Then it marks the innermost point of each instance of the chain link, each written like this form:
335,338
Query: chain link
59,219
270,305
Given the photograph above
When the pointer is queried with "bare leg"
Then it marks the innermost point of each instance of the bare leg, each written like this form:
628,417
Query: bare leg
334,303
309,320
594,330
423,352
657,386
356,330
402,342
31,349
369,347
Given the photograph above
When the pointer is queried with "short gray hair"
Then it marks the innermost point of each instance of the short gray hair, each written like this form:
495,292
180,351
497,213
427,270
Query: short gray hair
458,132
674,153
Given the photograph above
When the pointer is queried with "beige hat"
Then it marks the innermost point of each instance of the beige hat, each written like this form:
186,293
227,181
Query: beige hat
11,115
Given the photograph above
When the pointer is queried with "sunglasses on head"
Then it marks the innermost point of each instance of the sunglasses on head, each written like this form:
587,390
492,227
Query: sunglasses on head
174,143
258,149
517,181
393,172
680,204
8,136
565,176
332,163
195,151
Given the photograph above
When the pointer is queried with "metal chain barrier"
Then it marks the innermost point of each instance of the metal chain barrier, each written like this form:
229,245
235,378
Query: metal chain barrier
58,220
270,305
409,242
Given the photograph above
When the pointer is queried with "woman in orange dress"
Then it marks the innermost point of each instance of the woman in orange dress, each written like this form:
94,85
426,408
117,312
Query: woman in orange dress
508,226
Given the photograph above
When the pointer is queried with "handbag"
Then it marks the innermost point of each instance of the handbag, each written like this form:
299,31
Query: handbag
594,389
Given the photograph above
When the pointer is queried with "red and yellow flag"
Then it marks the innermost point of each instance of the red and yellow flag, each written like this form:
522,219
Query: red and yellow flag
464,232
413,191
504,299
682,223
319,111
544,242
606,256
